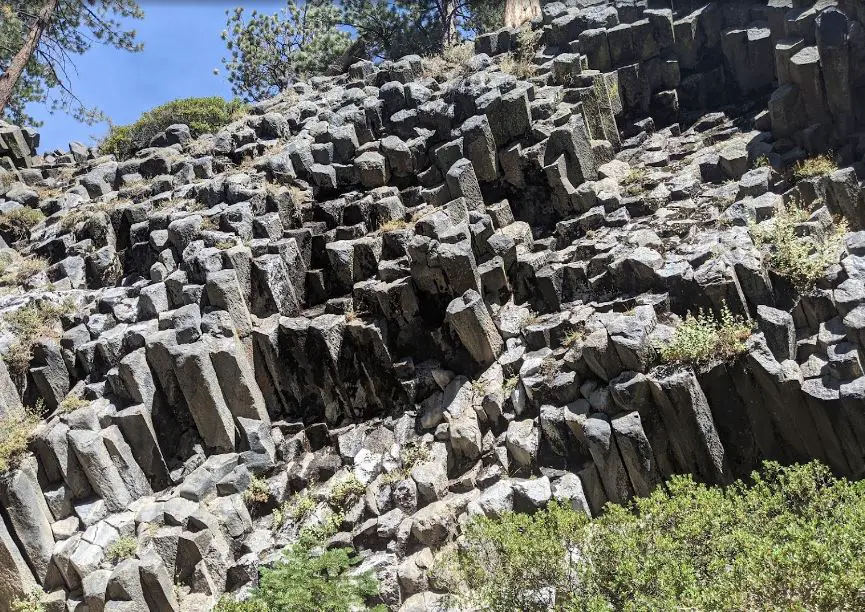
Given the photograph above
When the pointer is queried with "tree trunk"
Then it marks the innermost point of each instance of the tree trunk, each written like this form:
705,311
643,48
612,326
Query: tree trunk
449,28
517,12
9,78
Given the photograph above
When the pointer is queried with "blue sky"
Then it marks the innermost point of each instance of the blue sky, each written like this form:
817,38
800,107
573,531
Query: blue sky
181,48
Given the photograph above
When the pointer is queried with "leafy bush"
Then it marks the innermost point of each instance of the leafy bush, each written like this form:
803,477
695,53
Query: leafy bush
257,492
202,115
122,548
702,338
802,260
789,540
346,492
814,166
17,223
305,582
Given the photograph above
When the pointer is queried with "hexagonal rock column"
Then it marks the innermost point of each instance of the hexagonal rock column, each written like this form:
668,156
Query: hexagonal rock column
468,315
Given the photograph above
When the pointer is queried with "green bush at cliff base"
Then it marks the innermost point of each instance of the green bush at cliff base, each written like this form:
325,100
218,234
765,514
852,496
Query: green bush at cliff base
202,115
791,539
303,581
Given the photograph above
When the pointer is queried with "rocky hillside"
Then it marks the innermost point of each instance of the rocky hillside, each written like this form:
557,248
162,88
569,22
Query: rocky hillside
388,300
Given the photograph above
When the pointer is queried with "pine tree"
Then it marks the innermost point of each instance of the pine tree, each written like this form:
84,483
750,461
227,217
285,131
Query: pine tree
38,41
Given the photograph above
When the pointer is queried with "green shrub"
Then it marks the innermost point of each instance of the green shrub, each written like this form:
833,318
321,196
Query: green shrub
702,338
304,582
202,115
122,548
346,492
802,260
257,492
790,540
71,403
814,166
301,507
17,223
312,536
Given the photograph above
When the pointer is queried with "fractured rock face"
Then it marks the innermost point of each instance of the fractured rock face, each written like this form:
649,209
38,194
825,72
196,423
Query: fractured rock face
391,299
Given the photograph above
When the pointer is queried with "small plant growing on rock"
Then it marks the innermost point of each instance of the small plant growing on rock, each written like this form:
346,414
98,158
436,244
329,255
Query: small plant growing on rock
28,324
393,225
413,453
802,260
761,162
17,223
701,338
814,166
301,507
257,492
510,384
122,548
312,536
71,403
209,224
521,62
346,492
634,181
573,336
15,270
33,601
17,427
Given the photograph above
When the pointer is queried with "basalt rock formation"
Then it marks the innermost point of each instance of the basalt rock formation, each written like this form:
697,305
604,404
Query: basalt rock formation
444,281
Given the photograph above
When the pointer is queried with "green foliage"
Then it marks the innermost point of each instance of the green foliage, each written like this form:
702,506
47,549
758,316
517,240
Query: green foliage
790,540
346,492
801,259
305,582
814,166
301,507
17,223
519,562
702,338
122,548
312,536
269,52
17,426
33,601
202,115
634,181
257,492
71,403
74,28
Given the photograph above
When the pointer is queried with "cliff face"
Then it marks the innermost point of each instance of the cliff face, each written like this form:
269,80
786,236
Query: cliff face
442,280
